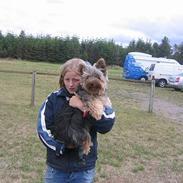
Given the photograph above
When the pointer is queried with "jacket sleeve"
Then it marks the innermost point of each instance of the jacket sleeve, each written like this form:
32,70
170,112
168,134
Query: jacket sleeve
106,123
44,124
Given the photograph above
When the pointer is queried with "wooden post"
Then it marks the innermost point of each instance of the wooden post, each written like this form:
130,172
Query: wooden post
33,88
151,97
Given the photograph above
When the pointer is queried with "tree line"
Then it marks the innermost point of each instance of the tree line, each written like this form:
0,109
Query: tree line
60,49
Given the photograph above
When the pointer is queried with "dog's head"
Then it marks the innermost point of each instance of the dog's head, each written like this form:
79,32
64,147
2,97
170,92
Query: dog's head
92,80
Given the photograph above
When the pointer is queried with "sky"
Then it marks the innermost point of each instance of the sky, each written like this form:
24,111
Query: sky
118,20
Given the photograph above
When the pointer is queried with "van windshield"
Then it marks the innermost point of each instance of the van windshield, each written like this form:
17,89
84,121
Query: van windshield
152,67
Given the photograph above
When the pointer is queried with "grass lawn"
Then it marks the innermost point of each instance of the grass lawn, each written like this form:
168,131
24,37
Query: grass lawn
142,147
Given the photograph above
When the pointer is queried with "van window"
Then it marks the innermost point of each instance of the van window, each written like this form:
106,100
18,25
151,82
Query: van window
152,67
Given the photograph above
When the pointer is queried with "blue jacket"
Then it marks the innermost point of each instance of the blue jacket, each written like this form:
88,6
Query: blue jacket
64,158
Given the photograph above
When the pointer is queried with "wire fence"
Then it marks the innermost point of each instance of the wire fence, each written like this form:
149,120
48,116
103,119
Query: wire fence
111,77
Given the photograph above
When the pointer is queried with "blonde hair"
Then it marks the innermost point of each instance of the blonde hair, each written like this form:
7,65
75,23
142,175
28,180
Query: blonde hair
74,65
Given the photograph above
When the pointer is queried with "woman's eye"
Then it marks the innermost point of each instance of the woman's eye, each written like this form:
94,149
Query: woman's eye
76,80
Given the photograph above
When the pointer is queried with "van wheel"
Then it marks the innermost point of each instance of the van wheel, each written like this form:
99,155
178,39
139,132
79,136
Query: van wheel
162,83
143,78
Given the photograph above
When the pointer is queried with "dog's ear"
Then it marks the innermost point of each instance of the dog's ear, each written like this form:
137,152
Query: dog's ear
101,65
81,68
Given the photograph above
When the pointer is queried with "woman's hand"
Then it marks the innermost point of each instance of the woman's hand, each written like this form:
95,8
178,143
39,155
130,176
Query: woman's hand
76,102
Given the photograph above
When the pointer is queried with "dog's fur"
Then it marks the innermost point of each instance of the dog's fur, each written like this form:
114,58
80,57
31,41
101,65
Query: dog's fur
71,127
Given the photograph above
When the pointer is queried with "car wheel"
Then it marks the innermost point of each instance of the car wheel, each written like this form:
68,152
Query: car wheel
162,83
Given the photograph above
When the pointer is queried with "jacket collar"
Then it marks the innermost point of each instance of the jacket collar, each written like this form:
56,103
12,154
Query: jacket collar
62,92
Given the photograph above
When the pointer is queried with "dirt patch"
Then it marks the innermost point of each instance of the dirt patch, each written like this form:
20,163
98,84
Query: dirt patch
161,107
168,110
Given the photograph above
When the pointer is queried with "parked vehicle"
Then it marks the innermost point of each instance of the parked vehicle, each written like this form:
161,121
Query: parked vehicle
162,71
176,81
137,64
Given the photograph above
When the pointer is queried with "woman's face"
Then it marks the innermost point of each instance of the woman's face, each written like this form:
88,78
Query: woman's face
71,81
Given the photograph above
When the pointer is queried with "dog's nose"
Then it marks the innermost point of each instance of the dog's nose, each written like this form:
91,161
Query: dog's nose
94,88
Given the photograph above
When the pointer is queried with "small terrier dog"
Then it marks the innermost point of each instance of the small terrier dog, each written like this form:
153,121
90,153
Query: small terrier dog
92,89
72,125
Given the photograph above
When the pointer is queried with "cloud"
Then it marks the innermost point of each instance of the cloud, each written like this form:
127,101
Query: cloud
111,19
55,1
157,29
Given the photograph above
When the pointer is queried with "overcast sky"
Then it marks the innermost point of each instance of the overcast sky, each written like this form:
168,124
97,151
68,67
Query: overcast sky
120,20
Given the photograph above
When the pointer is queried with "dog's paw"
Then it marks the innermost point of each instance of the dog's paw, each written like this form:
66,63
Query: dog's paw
96,109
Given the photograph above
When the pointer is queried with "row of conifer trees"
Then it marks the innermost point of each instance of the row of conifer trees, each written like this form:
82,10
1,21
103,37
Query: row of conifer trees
60,49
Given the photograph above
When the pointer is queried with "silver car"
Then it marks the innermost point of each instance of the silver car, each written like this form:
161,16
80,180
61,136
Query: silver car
176,82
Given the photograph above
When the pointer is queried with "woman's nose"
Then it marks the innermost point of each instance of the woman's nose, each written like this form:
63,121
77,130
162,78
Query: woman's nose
71,83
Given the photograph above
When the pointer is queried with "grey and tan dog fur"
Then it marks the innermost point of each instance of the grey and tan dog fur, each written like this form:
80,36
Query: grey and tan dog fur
93,89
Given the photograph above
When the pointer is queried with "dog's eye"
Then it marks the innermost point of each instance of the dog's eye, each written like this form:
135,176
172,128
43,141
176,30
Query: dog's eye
98,77
87,77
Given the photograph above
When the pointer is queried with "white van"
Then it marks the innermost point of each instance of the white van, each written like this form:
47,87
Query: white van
137,64
162,71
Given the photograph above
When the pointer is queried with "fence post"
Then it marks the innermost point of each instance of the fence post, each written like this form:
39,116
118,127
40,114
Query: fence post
151,97
33,88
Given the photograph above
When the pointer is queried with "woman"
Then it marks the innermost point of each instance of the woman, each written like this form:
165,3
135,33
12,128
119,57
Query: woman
62,161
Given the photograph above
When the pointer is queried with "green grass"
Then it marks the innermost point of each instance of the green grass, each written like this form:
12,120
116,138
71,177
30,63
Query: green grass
141,146
22,65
